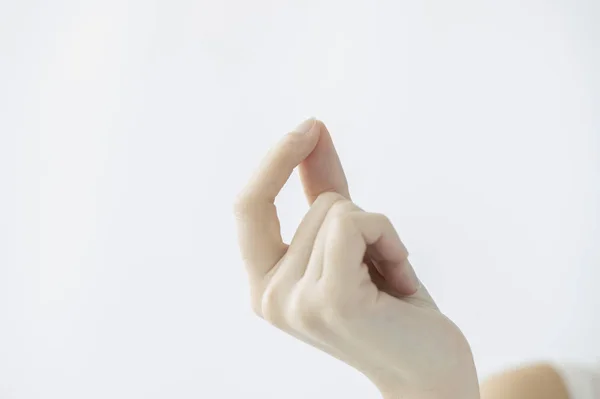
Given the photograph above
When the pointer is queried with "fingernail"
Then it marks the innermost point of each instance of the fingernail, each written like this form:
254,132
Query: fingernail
305,126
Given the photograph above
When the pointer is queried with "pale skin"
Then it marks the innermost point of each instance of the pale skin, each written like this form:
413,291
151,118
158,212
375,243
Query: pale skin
344,284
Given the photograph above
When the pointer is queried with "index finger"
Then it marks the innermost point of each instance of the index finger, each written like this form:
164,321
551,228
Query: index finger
258,226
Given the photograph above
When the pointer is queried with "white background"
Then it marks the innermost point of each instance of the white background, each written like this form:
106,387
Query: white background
127,127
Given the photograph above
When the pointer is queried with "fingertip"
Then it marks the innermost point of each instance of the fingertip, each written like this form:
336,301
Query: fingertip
308,132
407,281
307,126
318,129
319,123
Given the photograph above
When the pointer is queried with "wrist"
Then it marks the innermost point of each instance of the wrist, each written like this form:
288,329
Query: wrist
465,392
465,388
460,383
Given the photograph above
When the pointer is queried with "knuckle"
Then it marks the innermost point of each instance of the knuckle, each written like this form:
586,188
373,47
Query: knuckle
242,203
330,197
344,205
382,218
335,306
341,213
255,301
331,314
342,222
303,314
269,306
256,307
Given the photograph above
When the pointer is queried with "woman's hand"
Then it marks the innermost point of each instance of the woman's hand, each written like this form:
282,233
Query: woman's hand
344,284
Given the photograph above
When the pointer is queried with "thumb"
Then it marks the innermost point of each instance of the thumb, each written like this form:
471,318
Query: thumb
322,170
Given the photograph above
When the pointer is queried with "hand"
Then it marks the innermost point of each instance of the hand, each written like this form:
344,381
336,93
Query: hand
344,284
